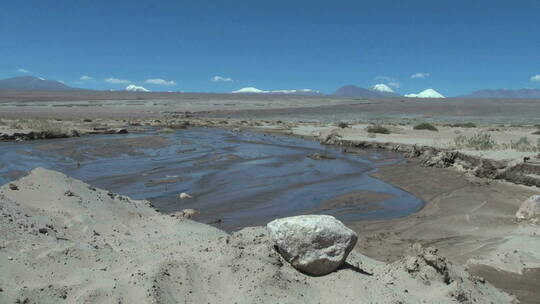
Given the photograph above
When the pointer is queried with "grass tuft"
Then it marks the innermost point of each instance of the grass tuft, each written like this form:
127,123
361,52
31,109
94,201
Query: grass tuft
343,125
522,145
425,126
464,125
378,129
478,141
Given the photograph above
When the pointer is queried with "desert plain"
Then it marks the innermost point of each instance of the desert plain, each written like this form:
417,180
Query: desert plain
472,162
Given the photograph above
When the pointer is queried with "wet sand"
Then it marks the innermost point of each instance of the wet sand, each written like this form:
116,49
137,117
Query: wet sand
466,218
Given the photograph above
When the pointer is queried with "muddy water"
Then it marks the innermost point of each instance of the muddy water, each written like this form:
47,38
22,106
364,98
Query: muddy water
236,179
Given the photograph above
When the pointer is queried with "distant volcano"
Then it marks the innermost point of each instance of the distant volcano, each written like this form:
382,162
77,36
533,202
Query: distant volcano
429,93
32,83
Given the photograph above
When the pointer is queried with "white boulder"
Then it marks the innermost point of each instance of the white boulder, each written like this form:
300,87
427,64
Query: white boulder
314,244
530,209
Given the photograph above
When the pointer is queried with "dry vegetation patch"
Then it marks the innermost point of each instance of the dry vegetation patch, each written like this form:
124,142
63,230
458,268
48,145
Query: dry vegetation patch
378,129
425,126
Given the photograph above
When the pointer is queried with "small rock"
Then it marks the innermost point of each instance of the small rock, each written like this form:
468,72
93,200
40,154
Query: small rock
184,195
121,131
13,187
186,213
318,156
43,230
189,213
530,209
314,244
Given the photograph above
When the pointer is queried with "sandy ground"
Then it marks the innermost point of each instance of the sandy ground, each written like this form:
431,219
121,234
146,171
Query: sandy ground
129,105
470,219
446,137
65,241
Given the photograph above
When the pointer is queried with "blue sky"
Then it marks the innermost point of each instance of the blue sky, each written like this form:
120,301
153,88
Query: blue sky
459,46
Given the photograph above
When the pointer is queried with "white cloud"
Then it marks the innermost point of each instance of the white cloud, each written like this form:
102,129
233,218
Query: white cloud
159,81
23,71
116,81
394,84
535,78
134,88
221,79
85,78
420,75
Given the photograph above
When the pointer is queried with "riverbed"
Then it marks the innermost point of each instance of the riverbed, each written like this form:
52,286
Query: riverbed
236,179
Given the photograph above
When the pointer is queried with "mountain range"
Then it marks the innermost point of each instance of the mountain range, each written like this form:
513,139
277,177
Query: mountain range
377,91
354,91
32,83
505,93
252,90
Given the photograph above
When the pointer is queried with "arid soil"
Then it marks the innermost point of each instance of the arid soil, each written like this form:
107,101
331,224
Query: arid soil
65,241
470,189
470,220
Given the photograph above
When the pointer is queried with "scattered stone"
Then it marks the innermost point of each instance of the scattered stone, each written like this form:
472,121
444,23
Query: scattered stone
530,209
13,187
184,195
189,213
186,213
442,159
43,230
426,264
318,156
314,244
108,131
331,139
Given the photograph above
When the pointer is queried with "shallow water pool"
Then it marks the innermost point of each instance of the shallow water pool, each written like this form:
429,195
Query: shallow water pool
236,179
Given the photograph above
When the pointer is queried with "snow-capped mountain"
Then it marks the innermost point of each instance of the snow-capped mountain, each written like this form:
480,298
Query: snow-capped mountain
252,90
379,90
429,93
134,88
381,87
